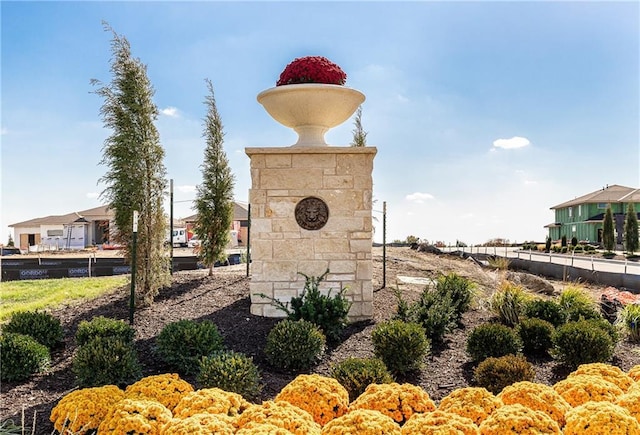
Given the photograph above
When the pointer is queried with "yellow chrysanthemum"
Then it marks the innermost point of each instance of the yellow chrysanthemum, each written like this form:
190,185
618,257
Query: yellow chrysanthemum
518,419
581,389
398,401
538,397
475,403
634,387
362,422
211,401
322,397
263,429
135,416
167,389
83,410
631,402
599,418
281,414
634,373
199,424
439,422
607,372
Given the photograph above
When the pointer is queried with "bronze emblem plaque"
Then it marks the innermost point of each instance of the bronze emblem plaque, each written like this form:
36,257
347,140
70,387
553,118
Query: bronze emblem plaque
312,213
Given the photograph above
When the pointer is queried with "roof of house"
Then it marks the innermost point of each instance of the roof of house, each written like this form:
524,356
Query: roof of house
240,213
95,213
610,194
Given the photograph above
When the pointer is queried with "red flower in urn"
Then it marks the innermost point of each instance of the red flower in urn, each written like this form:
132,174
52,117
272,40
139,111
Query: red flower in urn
312,69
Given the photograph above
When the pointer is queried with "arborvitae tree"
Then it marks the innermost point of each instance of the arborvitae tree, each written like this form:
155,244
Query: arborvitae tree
631,230
10,241
214,197
547,244
136,176
608,236
359,135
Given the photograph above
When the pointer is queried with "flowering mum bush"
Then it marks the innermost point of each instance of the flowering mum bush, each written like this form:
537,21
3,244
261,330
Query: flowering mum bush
312,69
210,401
600,418
581,389
362,422
518,419
631,402
167,389
280,414
322,397
634,373
538,397
439,422
398,401
607,372
262,429
82,410
199,424
131,416
475,403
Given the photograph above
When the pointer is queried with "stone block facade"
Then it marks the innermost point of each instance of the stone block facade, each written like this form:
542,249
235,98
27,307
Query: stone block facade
281,249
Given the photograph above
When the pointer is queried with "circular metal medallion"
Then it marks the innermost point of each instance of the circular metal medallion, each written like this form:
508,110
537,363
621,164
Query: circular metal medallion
312,213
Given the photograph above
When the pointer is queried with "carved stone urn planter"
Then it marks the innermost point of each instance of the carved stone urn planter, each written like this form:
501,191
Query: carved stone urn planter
311,109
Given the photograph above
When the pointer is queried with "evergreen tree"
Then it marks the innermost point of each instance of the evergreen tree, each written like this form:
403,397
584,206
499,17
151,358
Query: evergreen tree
608,240
359,135
10,241
631,230
214,197
136,176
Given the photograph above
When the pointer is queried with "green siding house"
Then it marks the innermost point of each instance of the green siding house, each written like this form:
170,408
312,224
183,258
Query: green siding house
582,217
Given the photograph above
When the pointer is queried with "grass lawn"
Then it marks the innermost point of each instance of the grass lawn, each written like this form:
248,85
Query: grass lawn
31,295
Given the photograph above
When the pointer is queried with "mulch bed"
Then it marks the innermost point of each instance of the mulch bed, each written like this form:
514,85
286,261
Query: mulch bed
223,299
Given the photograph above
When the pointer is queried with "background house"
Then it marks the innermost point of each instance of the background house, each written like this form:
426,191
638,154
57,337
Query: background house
92,227
240,223
583,217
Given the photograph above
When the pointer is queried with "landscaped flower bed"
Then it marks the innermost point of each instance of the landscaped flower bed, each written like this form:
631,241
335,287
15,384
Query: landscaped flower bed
316,404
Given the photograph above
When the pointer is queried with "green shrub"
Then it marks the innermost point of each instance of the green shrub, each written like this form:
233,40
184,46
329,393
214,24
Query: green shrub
42,326
294,345
496,373
578,304
508,302
629,321
459,289
583,342
183,343
21,356
103,327
400,345
106,361
536,335
356,374
326,311
230,371
492,340
548,310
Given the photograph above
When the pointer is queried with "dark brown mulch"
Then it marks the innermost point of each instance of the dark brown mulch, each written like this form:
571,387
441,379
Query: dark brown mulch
223,298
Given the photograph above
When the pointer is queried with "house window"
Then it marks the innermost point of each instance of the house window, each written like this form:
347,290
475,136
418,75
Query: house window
602,205
570,211
573,229
580,210
54,233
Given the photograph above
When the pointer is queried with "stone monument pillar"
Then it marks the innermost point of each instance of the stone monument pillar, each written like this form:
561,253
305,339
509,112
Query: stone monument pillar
311,211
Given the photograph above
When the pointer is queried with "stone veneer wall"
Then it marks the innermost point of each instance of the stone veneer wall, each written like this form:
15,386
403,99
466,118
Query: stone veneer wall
280,248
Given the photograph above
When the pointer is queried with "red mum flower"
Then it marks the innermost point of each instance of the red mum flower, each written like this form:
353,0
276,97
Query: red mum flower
312,69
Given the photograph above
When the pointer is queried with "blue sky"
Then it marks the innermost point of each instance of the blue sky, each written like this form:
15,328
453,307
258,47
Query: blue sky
485,114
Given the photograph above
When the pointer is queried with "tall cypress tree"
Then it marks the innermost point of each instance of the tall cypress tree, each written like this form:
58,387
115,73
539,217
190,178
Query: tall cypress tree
214,197
608,236
631,230
359,135
136,176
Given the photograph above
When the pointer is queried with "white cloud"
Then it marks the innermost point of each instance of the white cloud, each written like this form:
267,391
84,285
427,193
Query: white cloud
418,197
513,143
186,188
171,112
4,131
93,195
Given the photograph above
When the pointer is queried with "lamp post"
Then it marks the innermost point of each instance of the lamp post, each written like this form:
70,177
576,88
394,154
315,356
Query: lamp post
132,300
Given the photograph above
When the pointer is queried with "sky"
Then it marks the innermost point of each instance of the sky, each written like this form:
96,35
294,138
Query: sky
484,114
